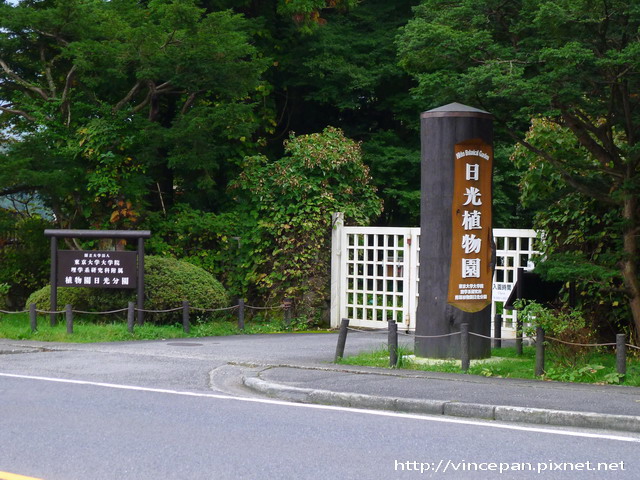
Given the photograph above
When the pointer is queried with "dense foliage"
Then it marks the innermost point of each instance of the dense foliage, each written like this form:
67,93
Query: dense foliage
24,257
290,202
582,237
573,63
174,115
130,103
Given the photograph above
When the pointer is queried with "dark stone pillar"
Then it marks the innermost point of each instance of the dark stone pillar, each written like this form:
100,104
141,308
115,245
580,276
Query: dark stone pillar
441,130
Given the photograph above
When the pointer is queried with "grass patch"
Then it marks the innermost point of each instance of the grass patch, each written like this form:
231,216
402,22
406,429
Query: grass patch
599,367
90,329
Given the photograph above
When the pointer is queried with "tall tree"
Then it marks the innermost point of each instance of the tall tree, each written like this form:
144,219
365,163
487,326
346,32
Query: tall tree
113,100
339,67
573,62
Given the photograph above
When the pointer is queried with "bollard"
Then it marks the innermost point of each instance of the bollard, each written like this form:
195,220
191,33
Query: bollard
519,328
186,324
33,317
241,314
393,343
497,331
465,361
621,354
286,304
130,316
539,351
68,311
342,339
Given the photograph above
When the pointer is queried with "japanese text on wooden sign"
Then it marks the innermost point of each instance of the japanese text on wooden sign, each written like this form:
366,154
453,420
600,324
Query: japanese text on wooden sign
470,277
97,269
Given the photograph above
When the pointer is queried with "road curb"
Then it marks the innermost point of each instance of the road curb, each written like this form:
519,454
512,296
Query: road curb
502,413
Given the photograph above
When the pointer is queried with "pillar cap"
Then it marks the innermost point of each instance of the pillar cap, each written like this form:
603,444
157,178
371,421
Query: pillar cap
456,110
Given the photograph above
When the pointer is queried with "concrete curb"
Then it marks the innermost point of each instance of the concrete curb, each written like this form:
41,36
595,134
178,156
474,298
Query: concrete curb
539,416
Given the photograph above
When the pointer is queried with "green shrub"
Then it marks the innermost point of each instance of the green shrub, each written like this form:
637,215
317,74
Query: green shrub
565,329
167,283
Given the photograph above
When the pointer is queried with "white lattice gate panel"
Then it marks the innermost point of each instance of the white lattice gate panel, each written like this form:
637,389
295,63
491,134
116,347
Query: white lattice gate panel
515,248
375,274
377,277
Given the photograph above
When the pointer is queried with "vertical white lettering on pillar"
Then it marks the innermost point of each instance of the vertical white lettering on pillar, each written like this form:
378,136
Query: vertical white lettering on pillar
473,197
471,220
473,172
471,243
470,268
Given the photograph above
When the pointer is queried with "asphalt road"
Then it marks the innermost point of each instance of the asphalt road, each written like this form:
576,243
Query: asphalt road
67,431
164,410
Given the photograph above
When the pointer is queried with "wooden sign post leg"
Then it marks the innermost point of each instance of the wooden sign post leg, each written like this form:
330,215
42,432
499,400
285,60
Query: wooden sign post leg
54,282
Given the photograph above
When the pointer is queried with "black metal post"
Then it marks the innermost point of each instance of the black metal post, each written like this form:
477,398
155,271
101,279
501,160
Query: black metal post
241,313
539,351
53,305
68,310
140,289
33,317
497,331
130,316
519,336
519,326
393,343
621,354
186,324
288,302
342,339
465,361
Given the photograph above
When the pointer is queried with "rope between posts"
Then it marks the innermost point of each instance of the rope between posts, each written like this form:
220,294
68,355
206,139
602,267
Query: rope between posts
484,336
213,309
430,336
263,308
377,331
158,311
385,332
100,313
581,344
438,336
632,346
85,312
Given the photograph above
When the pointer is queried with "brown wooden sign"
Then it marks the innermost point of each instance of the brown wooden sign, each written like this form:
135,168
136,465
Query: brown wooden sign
470,275
97,269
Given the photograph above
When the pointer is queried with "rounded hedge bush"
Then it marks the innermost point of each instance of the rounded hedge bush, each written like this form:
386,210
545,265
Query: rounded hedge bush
167,283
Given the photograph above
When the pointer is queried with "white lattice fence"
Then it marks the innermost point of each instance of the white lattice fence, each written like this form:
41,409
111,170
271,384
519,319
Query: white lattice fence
514,249
375,273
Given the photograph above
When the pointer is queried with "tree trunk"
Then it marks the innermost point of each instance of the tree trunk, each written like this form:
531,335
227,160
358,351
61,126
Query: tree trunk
629,264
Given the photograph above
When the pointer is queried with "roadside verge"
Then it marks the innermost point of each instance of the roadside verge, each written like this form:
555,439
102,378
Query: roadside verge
502,413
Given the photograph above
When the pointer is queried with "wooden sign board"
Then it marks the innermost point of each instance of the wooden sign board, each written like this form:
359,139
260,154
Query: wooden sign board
97,269
470,274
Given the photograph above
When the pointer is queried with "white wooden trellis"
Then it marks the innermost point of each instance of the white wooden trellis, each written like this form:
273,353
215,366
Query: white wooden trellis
374,274
515,249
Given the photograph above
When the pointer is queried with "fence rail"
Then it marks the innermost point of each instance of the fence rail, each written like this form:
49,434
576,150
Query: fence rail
131,309
392,331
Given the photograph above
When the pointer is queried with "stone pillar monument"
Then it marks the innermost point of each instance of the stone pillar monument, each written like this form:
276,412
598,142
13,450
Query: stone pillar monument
456,242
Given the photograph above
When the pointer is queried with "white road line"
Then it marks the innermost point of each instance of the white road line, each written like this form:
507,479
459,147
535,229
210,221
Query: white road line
382,413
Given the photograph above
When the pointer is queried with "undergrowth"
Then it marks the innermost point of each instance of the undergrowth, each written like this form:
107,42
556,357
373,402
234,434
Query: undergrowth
599,367
88,329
